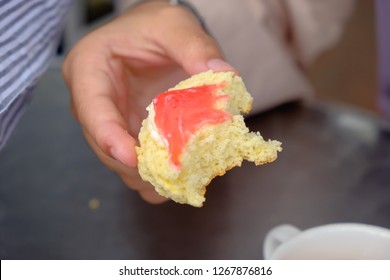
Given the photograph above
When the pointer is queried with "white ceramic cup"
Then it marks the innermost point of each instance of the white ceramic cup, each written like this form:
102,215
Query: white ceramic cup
349,241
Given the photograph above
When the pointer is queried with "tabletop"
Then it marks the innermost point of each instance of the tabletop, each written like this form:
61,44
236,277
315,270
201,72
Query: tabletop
57,201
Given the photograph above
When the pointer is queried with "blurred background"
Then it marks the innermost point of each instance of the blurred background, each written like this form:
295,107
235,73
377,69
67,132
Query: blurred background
348,73
345,74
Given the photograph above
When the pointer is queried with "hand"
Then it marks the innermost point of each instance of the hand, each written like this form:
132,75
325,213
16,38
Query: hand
114,72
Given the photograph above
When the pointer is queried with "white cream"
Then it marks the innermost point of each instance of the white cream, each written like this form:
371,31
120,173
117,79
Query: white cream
153,128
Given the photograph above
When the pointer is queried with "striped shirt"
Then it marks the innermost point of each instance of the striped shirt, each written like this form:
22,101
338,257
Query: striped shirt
29,35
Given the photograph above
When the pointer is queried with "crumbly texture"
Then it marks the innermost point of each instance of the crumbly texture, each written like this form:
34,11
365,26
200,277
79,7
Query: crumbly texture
240,101
210,152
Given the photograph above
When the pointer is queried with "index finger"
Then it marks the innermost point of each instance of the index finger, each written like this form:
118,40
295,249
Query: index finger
96,108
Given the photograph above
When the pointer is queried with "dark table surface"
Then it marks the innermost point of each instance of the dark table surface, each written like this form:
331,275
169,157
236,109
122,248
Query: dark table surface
335,167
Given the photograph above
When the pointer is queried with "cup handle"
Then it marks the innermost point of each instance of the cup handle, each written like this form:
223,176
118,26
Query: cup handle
276,237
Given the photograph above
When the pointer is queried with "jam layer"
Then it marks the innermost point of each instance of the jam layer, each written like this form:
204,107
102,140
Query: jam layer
180,113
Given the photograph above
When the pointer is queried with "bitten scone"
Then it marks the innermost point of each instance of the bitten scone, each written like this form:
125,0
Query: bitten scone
195,132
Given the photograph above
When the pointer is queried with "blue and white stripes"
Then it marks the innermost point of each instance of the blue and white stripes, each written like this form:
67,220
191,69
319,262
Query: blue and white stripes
29,33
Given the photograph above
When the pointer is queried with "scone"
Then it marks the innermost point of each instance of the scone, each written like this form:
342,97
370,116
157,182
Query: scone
195,132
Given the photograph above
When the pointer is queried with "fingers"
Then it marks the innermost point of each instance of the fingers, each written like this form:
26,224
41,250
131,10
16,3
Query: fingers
129,176
145,190
189,45
94,105
151,196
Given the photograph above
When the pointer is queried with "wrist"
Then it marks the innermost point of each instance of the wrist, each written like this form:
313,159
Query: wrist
182,3
191,8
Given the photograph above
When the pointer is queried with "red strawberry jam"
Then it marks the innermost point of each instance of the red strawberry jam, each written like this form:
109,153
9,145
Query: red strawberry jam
180,113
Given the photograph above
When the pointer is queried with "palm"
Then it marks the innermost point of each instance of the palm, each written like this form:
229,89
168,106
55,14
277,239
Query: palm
141,83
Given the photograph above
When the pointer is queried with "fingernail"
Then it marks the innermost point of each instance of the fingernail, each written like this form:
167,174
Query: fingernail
115,155
217,64
130,162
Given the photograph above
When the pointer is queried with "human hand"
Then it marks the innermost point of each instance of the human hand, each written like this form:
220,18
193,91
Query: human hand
114,72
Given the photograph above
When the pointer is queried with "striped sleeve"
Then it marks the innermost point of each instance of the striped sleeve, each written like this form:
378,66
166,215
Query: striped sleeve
29,34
